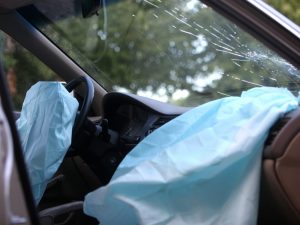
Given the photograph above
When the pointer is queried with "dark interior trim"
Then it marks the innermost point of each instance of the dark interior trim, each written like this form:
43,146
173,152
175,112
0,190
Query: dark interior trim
113,100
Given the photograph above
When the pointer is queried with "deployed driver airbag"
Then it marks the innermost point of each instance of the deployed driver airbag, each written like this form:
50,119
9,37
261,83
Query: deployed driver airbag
201,168
45,129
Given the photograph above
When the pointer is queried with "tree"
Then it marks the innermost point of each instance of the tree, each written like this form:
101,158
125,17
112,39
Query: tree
165,48
22,70
289,8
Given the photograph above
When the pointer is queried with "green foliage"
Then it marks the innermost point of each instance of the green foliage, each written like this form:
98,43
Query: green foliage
160,48
165,48
289,8
27,70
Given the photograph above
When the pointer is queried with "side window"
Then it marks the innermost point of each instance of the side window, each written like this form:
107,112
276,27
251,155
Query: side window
22,69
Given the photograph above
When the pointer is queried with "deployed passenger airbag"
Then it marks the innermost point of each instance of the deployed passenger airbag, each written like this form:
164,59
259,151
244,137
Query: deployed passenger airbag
201,168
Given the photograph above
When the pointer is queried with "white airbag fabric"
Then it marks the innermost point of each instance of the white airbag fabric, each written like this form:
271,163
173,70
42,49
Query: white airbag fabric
201,168
45,129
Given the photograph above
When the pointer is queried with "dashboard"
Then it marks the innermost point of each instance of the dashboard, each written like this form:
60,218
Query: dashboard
135,117
128,120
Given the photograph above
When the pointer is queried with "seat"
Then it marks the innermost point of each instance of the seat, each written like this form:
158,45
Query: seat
280,198
48,216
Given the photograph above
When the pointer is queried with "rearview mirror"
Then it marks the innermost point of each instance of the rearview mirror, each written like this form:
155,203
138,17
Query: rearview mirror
90,7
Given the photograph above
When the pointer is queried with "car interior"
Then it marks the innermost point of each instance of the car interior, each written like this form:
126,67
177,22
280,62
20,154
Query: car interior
109,124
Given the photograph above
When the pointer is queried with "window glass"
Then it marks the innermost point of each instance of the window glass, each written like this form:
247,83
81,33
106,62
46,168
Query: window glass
22,69
176,51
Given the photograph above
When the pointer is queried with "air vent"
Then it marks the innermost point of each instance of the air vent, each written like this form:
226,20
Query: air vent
158,123
276,129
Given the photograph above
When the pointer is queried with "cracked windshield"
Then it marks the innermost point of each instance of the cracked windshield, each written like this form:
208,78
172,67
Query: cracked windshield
174,51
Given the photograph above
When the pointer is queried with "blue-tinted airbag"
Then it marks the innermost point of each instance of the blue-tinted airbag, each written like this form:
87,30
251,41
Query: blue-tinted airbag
201,168
45,128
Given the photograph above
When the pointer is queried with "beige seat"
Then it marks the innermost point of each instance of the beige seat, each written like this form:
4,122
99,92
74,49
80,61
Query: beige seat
280,194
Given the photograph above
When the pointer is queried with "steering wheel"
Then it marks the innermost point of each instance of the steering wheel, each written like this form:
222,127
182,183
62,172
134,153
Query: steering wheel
87,100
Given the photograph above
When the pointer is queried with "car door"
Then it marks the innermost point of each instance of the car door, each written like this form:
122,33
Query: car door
17,206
